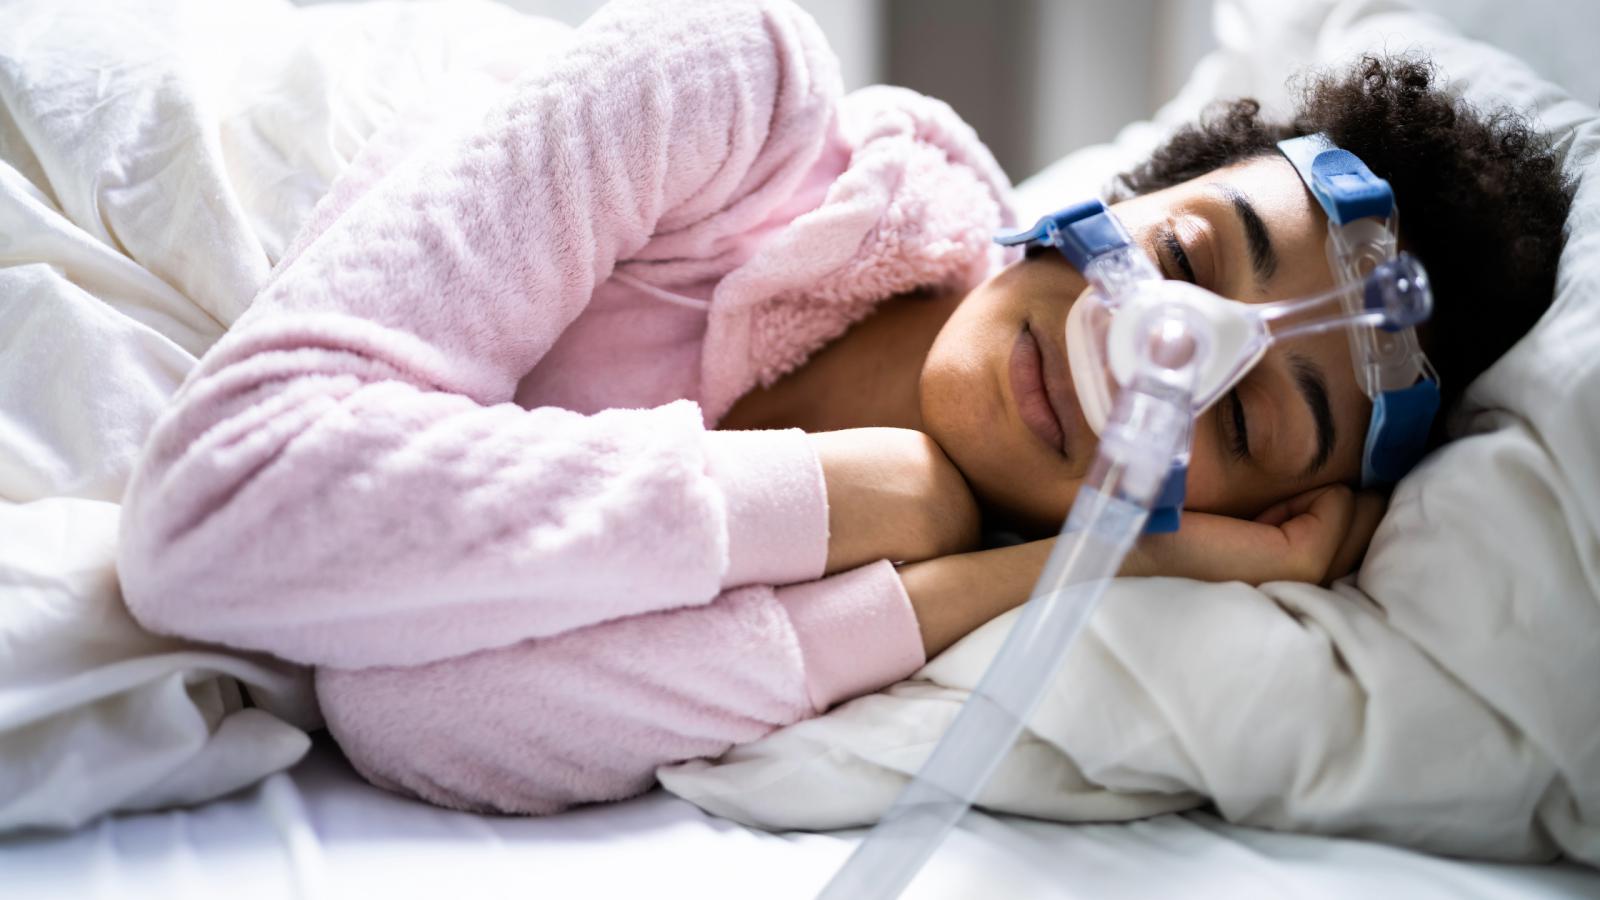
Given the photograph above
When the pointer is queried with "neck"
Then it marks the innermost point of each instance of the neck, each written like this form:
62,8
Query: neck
868,377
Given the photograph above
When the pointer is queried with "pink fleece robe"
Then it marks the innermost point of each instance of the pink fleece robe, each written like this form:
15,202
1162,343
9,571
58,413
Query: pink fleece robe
458,455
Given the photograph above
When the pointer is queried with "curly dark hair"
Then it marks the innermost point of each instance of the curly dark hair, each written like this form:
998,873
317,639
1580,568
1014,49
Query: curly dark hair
1483,196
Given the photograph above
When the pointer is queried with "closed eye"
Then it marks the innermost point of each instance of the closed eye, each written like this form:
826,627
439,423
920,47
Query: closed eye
1174,248
1239,434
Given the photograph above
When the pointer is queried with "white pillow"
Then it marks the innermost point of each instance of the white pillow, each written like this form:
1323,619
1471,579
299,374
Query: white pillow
1445,698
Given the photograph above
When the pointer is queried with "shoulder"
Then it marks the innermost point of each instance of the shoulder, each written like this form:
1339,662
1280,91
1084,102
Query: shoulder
914,205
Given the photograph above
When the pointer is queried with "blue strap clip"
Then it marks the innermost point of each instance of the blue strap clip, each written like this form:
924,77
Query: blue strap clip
1081,232
1167,510
1347,191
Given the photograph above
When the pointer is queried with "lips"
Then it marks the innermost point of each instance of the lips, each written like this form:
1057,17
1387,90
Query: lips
1063,394
1042,387
1030,387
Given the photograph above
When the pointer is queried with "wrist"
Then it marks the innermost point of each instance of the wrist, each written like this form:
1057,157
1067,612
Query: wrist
892,493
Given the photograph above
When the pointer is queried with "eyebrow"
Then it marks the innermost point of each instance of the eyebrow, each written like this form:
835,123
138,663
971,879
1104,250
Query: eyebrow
1313,387
1263,258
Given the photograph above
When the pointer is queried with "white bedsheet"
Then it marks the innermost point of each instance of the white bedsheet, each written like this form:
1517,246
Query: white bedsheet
319,831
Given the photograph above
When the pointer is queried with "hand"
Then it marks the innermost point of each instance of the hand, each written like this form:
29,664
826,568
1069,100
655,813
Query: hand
892,494
1317,537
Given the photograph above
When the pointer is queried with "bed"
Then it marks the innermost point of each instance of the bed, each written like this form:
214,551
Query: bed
319,831
137,227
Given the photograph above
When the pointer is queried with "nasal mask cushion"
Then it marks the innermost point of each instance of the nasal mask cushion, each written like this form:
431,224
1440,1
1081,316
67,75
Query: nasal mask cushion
1096,351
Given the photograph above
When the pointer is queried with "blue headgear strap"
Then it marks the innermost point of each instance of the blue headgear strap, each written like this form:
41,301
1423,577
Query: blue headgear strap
1398,434
1347,190
1082,232
1339,180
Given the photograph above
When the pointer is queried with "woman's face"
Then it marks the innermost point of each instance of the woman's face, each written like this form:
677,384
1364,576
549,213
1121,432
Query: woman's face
1250,232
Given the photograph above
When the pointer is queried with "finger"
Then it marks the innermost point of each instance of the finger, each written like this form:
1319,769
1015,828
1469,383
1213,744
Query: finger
1286,509
1276,514
1368,512
1316,532
1213,548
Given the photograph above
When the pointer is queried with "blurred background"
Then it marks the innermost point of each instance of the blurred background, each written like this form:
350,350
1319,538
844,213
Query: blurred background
1005,64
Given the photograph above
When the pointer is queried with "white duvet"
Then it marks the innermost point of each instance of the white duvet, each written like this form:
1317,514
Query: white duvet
155,158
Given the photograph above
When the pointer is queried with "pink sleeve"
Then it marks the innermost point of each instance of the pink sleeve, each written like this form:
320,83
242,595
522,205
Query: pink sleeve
857,632
777,505
590,714
343,479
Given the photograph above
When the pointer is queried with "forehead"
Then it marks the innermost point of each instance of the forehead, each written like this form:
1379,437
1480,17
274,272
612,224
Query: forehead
1296,223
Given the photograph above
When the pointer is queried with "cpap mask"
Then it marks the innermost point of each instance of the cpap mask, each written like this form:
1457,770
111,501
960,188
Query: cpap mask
1148,356
1381,295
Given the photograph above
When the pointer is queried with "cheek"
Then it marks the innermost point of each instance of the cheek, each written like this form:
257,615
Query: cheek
1218,483
957,387
1208,488
968,409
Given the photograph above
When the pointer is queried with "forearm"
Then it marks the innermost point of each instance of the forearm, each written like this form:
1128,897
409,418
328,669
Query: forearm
953,595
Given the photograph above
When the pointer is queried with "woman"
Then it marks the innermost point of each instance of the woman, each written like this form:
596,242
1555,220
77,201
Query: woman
460,456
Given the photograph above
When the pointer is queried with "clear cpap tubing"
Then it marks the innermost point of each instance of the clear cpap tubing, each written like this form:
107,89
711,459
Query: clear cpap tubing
1149,429
989,722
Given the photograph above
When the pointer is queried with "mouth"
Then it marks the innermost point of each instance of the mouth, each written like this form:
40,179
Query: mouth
1063,393
1030,387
